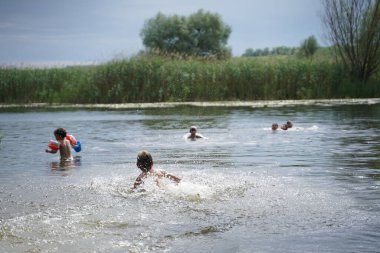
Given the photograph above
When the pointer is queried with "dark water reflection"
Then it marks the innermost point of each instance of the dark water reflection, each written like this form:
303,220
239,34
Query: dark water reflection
357,153
314,188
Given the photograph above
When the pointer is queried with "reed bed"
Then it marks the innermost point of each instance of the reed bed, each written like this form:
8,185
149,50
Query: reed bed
166,79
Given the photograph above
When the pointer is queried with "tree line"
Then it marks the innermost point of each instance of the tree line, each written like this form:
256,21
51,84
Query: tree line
307,49
351,26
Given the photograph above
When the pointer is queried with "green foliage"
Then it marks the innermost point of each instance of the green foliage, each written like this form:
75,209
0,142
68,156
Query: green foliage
162,79
63,85
201,34
308,47
266,51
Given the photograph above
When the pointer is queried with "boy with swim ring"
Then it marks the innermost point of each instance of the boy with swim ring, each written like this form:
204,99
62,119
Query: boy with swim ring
63,143
145,164
76,145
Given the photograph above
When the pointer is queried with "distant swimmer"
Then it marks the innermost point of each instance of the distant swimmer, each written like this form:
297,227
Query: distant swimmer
274,126
286,126
193,134
145,164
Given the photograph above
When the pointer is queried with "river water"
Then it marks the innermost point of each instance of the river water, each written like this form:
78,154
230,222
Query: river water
313,188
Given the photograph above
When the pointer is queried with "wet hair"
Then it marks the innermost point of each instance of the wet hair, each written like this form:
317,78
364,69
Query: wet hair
274,126
60,132
144,161
193,128
289,124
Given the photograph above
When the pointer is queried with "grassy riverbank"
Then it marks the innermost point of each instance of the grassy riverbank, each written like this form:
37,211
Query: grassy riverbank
160,79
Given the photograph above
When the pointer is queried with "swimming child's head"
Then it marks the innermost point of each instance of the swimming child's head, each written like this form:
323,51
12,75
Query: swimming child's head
289,124
144,161
60,133
193,129
274,126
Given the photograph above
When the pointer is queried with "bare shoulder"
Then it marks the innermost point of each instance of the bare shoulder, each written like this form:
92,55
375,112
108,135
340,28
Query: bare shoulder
160,173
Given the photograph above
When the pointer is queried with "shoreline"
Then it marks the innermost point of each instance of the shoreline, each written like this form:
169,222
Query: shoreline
252,104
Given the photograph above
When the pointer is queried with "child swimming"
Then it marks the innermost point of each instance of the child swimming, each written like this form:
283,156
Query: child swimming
145,164
63,145
286,126
193,134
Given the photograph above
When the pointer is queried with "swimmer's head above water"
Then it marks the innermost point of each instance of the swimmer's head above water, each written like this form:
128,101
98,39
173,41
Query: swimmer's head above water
274,126
60,133
193,129
144,161
194,133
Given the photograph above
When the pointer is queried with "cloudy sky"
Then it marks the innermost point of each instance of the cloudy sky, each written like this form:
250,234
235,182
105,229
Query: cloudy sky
82,31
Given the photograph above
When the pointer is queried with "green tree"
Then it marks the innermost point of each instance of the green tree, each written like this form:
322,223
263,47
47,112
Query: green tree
168,34
249,52
309,46
202,33
353,28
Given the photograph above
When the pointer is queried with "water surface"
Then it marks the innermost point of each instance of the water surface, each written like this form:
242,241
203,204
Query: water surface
314,188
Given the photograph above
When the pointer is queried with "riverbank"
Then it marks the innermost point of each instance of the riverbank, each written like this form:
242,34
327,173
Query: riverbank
253,104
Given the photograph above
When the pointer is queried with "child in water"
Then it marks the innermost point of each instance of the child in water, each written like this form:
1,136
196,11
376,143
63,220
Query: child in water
64,145
286,126
145,164
274,126
193,135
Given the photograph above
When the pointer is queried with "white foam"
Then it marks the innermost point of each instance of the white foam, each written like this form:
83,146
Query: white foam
190,190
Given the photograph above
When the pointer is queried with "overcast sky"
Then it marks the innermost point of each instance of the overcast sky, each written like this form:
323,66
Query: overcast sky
76,31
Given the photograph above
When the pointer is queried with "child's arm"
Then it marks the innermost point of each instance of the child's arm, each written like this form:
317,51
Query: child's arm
52,151
139,180
172,177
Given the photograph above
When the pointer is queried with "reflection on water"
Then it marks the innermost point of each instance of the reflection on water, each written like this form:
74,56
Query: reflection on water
313,188
66,164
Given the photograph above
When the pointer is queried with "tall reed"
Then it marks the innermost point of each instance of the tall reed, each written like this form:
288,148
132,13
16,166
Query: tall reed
157,79
60,85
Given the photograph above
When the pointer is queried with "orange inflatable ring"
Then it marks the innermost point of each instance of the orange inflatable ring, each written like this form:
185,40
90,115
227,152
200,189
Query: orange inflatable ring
53,145
71,139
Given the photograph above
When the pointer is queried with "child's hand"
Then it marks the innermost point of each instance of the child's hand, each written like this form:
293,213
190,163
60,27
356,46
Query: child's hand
132,190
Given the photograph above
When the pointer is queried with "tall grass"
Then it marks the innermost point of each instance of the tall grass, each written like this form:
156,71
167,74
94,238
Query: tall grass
59,85
158,79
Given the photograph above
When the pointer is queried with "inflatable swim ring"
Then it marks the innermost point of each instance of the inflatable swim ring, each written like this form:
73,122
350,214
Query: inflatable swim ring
76,145
53,145
71,139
